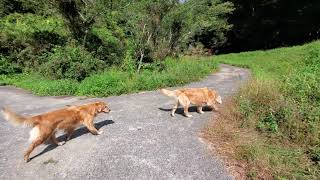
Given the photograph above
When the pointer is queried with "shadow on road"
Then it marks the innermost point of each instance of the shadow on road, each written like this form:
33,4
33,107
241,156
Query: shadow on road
191,109
77,133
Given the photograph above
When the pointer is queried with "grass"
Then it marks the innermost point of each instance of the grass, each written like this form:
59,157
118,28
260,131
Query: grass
271,128
115,82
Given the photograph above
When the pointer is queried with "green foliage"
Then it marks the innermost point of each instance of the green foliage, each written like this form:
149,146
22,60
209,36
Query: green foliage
162,28
24,37
22,26
40,85
8,68
107,44
109,83
137,32
70,62
129,63
207,21
283,103
40,7
315,155
114,81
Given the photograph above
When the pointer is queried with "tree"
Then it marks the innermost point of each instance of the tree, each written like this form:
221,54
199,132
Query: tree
207,21
161,28
268,24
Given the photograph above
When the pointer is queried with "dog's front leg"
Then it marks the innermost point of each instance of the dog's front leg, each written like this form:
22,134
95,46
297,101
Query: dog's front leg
214,107
91,128
69,133
199,109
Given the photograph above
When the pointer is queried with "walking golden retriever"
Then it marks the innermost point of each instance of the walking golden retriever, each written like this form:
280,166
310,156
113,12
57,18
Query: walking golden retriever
45,125
197,96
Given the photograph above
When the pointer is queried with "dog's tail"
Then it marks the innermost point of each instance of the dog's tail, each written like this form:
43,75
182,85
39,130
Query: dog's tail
169,93
15,118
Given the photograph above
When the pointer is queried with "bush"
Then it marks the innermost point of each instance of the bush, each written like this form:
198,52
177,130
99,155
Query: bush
107,44
25,37
71,62
22,26
111,82
8,68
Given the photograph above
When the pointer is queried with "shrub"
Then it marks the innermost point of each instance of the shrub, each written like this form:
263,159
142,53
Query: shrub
22,26
25,37
111,82
107,44
8,68
71,62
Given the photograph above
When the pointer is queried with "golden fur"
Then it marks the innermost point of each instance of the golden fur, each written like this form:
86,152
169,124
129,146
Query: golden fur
197,96
45,125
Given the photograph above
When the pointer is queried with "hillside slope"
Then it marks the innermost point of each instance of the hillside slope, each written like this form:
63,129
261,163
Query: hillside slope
272,126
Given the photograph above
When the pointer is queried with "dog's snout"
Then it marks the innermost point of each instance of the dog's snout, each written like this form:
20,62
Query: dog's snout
106,110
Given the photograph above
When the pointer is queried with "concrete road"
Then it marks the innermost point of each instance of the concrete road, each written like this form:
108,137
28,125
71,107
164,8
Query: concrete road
140,139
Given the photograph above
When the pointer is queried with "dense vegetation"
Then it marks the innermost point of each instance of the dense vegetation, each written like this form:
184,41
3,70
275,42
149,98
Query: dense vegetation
273,123
115,81
74,39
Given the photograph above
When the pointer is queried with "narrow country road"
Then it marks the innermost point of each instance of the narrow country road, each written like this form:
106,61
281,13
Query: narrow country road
140,139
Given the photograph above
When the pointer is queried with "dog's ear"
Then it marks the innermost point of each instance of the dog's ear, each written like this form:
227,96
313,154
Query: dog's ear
96,107
103,107
99,108
218,99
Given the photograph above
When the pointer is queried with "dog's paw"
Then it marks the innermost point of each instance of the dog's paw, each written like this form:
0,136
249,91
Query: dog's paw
172,114
201,112
188,115
61,143
216,109
26,159
100,132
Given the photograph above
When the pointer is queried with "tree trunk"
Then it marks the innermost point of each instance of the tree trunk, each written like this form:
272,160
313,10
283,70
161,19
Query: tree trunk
140,61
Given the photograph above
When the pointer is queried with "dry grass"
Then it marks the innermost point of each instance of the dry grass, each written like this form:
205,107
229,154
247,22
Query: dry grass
256,148
230,142
271,128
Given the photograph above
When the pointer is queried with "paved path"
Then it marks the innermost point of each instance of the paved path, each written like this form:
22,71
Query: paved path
140,139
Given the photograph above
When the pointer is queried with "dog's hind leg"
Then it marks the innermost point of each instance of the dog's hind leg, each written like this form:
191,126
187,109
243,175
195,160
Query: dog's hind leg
174,108
38,135
186,111
55,141
185,102
33,145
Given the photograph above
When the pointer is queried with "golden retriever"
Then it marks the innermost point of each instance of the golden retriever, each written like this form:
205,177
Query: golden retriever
45,125
197,96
